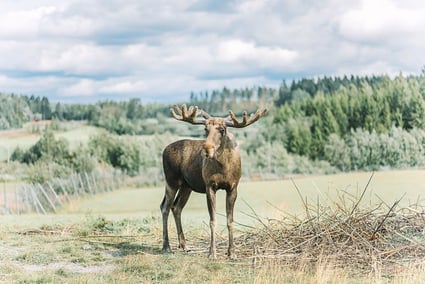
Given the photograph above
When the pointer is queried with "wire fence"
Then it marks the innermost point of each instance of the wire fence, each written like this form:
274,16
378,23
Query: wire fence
48,197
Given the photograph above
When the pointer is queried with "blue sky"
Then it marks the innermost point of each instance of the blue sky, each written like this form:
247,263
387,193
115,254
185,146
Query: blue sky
160,51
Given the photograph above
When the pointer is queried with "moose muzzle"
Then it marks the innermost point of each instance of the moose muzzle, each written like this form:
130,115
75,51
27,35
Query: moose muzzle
209,150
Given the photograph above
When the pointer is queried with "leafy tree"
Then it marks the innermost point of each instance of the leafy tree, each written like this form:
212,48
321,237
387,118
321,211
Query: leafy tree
14,111
58,112
116,151
336,153
46,149
285,94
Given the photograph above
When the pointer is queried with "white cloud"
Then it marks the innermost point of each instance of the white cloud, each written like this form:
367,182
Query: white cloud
90,87
83,87
83,58
80,58
125,87
382,19
24,23
155,49
234,51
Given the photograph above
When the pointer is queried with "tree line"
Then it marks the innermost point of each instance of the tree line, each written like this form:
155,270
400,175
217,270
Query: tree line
325,124
353,123
52,157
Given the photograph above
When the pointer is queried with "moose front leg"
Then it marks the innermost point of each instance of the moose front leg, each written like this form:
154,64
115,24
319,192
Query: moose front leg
211,198
230,204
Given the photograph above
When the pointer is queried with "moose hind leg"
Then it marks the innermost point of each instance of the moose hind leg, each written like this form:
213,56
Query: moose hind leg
179,203
166,203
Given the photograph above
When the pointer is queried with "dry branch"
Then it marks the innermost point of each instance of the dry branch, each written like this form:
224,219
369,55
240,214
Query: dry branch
349,234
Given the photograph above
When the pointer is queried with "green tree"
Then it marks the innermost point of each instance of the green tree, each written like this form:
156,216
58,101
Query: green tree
58,113
45,108
48,149
336,153
117,151
317,139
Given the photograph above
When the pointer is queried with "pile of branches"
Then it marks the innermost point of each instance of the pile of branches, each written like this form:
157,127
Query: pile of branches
343,232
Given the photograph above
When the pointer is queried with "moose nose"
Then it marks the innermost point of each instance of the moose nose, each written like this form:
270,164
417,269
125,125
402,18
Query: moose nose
209,151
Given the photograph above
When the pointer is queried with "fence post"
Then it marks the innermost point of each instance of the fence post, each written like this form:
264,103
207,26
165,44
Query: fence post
54,193
47,197
88,183
18,206
5,199
76,190
65,191
82,184
35,200
26,199
94,182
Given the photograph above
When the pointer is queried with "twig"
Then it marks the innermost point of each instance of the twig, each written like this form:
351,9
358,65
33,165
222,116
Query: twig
385,218
261,222
238,223
362,195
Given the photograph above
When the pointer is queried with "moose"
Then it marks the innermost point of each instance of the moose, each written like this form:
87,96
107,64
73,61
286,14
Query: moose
203,166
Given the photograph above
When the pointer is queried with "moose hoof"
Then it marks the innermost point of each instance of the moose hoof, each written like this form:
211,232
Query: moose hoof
212,256
167,250
187,250
232,256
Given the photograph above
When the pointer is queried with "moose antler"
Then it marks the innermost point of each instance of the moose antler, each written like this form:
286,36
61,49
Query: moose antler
233,121
189,115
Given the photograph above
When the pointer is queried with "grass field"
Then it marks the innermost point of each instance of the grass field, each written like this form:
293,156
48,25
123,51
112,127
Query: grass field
116,237
267,198
270,199
75,133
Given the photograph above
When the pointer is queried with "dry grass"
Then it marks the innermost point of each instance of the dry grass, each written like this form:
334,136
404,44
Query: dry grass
382,238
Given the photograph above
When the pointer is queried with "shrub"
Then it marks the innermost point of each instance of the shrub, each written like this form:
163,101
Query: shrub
47,149
117,151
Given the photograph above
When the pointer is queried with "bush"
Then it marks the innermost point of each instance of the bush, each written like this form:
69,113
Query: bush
47,149
117,151
362,149
272,158
41,172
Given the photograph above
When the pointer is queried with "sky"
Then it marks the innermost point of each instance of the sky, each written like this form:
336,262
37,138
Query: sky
160,51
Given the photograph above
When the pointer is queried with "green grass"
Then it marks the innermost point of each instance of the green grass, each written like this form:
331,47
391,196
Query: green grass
79,135
76,133
115,237
266,198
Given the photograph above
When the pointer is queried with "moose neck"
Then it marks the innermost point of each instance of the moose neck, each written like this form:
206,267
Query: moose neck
227,150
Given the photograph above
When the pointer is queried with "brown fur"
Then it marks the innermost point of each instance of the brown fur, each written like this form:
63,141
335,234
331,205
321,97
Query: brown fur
203,166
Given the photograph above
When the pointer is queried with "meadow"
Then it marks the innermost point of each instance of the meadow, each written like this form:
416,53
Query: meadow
76,133
115,237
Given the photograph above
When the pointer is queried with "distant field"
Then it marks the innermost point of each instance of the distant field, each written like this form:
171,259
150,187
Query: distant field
272,199
79,135
266,198
75,132
10,139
